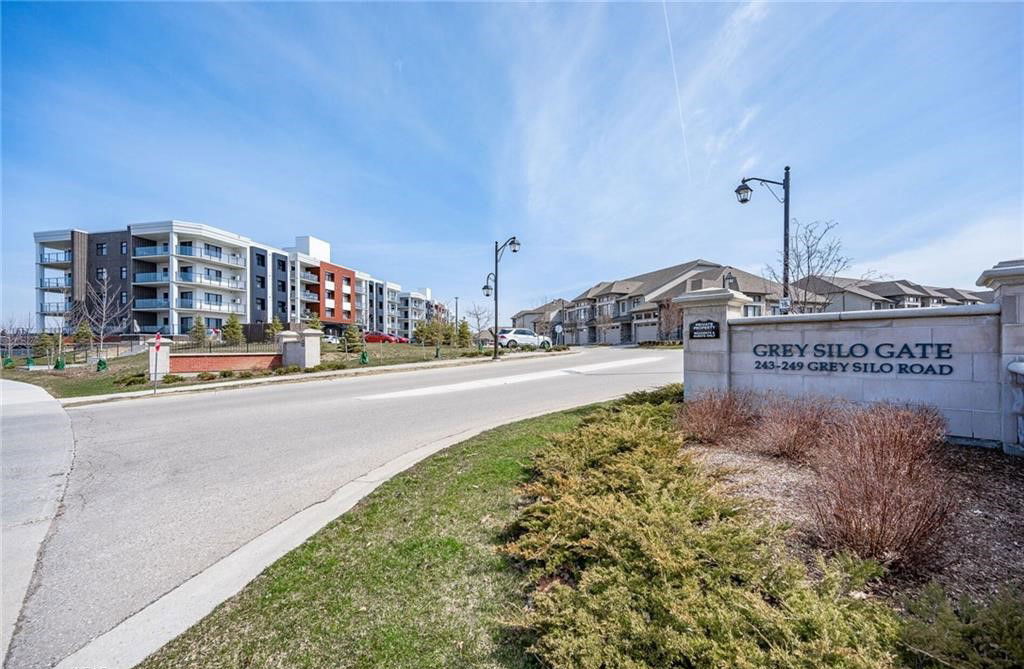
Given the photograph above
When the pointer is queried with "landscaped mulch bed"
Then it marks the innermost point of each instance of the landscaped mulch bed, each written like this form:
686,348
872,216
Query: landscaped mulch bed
985,549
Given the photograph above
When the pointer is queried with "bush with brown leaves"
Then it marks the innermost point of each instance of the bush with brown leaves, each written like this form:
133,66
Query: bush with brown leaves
716,417
795,429
881,489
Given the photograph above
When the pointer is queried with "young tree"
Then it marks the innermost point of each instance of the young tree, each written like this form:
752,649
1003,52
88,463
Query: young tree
464,336
44,345
314,322
481,316
232,331
104,310
353,340
198,332
814,253
670,319
273,327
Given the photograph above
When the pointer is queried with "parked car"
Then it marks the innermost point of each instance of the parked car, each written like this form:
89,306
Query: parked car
331,339
402,340
375,337
513,337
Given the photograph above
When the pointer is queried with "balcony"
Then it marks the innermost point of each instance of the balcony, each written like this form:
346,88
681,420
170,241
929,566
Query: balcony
58,308
152,304
200,305
55,283
153,329
192,277
307,296
309,277
151,277
147,251
55,258
197,252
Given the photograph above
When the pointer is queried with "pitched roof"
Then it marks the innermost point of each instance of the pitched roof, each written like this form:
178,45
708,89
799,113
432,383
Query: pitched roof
557,303
592,292
745,281
962,295
892,288
649,281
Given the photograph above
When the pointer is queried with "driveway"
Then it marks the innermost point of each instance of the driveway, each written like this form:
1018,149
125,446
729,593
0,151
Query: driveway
163,488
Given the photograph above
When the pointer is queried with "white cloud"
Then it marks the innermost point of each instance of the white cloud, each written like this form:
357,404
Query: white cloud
955,259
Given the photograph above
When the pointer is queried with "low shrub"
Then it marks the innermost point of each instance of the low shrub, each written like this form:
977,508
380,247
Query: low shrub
665,342
672,393
226,373
246,374
172,378
795,429
132,379
971,635
280,371
559,347
528,348
206,376
292,369
715,417
637,560
881,491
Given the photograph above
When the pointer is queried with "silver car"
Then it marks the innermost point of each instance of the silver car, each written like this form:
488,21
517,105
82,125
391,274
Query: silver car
513,337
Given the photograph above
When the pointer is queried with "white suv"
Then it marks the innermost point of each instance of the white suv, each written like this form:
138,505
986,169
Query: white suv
513,337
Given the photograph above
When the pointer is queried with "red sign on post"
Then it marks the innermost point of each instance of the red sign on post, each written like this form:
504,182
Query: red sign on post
157,341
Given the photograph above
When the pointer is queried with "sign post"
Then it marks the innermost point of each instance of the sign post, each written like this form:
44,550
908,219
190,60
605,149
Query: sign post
156,358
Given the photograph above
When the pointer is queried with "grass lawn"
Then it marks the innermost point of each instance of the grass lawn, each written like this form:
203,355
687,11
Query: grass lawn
393,354
409,578
81,381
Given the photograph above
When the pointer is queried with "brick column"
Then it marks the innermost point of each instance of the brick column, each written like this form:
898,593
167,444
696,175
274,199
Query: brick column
1007,280
706,361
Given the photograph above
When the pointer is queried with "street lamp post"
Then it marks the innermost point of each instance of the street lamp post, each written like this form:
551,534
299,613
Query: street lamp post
743,192
499,249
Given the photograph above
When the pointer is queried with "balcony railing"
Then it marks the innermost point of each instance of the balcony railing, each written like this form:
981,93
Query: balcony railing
200,305
60,256
192,277
55,307
55,282
153,329
309,277
310,297
158,250
152,303
199,252
152,277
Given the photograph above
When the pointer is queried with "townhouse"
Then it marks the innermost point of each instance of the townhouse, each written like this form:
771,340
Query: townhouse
173,272
848,294
542,319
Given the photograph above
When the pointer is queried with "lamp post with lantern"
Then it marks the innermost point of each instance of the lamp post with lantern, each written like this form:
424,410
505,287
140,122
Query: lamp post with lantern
743,193
491,283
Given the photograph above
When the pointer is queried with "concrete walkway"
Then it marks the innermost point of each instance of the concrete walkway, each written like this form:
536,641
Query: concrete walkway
294,378
36,451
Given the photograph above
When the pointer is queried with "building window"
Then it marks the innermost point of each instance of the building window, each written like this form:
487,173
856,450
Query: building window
214,323
281,265
281,306
101,249
124,272
330,294
124,297
752,310
330,312
281,286
124,248
346,281
261,304
328,276
261,260
101,273
261,282
214,298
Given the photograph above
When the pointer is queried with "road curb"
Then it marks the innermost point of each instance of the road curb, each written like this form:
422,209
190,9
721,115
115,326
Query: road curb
299,378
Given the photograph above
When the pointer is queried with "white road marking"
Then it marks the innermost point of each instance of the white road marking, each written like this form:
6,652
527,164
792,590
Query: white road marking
505,380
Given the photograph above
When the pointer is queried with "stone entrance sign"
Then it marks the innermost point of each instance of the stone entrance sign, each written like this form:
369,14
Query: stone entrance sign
953,358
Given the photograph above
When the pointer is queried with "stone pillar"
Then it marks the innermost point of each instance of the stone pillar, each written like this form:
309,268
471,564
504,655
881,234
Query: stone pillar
706,361
1007,280
290,348
310,348
159,361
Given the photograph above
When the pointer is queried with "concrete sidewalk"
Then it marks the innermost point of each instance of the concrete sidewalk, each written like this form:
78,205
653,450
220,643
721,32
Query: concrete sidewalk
294,378
36,450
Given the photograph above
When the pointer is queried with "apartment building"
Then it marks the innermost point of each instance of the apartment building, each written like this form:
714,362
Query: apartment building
172,272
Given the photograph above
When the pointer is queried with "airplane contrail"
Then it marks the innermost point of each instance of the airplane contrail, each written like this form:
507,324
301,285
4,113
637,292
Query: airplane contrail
679,101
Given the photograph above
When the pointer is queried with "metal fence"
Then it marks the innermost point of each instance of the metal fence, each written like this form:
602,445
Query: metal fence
223,347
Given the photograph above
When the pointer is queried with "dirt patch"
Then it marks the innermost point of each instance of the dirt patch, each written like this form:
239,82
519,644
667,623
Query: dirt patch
983,553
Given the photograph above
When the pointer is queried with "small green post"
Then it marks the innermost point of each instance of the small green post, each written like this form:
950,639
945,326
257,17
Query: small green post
101,365
364,358
59,364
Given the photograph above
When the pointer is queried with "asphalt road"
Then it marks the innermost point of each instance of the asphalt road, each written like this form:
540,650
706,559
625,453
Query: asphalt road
162,488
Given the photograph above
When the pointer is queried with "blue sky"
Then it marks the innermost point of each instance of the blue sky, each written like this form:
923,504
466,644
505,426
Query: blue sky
412,136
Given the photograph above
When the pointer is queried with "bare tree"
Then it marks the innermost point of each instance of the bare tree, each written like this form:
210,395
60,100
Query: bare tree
481,316
815,259
670,319
15,336
104,311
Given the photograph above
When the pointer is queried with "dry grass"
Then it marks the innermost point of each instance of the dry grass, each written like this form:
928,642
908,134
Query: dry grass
717,417
881,490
